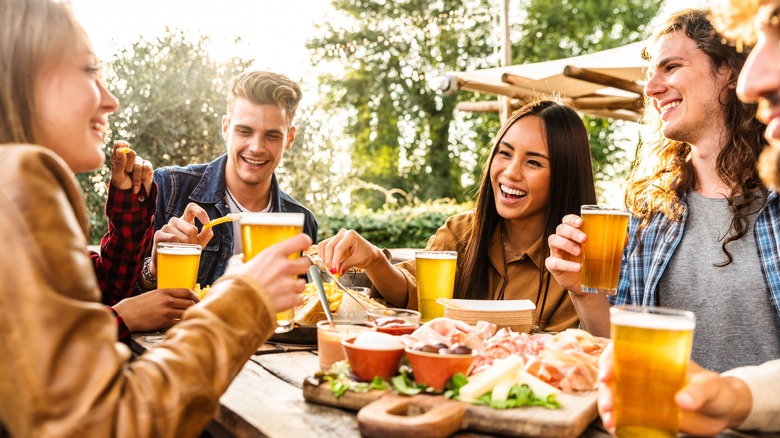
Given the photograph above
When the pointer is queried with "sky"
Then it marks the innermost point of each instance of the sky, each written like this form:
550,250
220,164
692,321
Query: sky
273,32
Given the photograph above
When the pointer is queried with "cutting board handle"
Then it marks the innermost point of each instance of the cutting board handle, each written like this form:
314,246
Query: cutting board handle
421,415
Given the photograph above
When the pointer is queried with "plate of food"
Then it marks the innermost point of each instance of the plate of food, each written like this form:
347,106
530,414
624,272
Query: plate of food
343,306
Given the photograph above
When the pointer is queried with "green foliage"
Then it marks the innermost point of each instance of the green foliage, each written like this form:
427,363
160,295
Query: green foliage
554,30
401,130
313,171
560,29
172,97
408,226
405,136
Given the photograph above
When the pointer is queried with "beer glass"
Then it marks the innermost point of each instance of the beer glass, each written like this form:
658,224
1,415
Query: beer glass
177,265
261,230
602,252
435,279
652,349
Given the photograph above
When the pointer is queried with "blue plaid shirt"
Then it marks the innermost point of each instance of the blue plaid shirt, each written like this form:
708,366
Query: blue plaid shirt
642,266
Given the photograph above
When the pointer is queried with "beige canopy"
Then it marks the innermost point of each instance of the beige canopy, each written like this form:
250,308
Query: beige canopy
605,84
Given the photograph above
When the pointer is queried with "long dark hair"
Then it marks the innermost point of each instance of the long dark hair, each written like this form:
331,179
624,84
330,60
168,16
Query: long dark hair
659,188
571,185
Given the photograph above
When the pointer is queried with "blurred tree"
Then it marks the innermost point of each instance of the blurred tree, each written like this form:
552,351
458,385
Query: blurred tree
577,27
401,129
172,98
407,136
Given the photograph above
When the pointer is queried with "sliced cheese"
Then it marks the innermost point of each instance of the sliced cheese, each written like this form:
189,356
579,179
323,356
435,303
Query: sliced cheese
484,382
540,388
501,390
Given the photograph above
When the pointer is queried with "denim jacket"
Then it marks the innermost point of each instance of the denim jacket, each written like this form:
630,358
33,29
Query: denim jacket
204,184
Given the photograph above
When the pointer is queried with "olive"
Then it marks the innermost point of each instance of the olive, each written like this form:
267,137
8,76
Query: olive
460,349
441,345
427,348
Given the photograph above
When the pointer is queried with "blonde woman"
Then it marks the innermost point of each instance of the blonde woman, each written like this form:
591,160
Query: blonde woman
63,373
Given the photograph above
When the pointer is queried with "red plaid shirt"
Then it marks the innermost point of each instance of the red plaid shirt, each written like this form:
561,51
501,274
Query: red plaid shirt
122,249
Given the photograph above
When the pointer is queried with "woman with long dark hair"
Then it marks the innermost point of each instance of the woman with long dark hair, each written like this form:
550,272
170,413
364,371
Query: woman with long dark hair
539,170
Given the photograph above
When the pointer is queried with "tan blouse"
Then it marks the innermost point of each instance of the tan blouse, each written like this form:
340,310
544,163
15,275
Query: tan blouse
515,279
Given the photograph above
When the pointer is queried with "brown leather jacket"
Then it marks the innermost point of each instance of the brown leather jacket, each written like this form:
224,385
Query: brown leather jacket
62,373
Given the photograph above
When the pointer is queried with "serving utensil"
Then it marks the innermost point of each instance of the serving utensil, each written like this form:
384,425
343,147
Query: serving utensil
349,292
221,220
316,278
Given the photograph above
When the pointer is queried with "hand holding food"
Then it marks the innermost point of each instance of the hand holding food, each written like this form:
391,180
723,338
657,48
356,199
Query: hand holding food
182,230
348,249
128,170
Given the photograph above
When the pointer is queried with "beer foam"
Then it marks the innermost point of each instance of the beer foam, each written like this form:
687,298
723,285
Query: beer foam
290,219
652,321
612,212
178,249
435,255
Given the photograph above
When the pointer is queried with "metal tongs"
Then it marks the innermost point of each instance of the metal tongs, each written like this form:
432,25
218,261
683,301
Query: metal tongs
347,291
316,278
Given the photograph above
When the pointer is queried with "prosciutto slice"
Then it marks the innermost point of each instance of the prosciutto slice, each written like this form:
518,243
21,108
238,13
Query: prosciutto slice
450,331
567,360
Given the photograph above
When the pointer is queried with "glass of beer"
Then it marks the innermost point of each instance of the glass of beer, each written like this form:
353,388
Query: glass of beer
261,230
602,252
652,350
435,279
177,265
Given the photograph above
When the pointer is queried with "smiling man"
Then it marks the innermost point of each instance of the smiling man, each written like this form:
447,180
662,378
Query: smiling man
258,131
748,397
703,226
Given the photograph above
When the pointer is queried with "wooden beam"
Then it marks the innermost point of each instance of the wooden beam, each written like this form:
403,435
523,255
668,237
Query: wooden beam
602,79
608,103
492,106
506,58
509,78
487,106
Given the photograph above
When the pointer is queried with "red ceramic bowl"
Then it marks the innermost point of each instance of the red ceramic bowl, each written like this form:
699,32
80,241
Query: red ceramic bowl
434,369
367,363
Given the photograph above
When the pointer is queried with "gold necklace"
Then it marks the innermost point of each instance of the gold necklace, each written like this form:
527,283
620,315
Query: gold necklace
508,247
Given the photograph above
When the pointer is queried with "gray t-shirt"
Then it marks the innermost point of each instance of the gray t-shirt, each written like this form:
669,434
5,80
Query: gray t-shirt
736,322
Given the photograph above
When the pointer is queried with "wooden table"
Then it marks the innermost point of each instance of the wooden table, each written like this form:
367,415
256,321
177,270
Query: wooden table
266,398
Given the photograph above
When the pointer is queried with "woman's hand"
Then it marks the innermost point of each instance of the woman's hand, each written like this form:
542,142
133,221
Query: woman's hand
565,253
182,230
348,249
128,170
155,310
276,272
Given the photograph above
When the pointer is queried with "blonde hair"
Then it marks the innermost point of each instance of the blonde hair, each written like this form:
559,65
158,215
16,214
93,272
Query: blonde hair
264,87
734,19
34,35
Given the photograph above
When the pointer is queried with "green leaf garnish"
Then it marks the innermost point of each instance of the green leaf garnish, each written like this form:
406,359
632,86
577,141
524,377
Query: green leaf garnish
519,396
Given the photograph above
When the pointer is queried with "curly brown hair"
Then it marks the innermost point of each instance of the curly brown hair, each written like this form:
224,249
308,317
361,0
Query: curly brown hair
659,187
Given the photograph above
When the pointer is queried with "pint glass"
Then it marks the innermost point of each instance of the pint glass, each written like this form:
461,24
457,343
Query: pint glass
652,350
177,265
435,279
602,252
261,230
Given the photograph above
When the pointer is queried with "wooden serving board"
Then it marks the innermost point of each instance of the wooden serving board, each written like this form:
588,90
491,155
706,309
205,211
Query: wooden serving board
382,414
